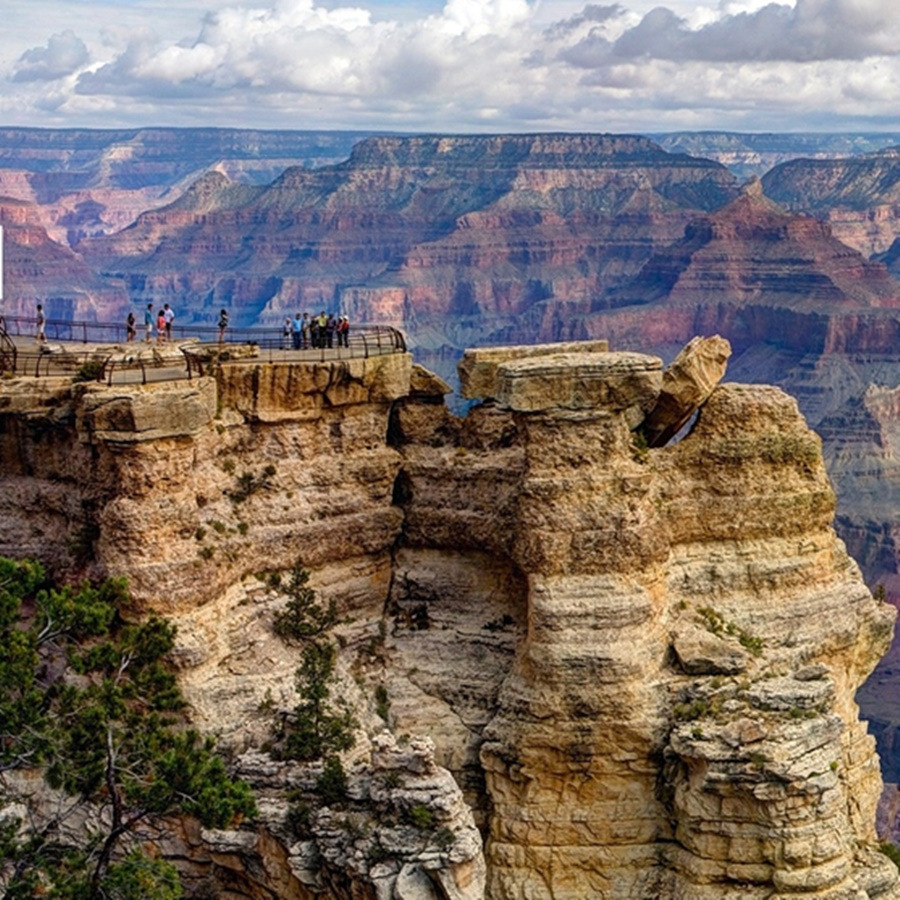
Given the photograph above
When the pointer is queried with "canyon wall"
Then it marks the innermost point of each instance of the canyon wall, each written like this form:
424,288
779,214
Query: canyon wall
451,238
638,665
858,196
496,239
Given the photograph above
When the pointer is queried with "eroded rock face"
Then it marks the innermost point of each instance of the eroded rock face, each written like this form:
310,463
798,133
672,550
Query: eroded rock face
675,699
637,665
858,196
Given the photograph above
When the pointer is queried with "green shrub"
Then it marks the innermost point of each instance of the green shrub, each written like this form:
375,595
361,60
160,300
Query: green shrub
332,783
891,851
382,701
421,816
90,370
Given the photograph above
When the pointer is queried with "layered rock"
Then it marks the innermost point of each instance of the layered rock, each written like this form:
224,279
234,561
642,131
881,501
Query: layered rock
168,483
858,196
38,269
637,664
663,607
89,182
687,384
451,238
753,155
758,258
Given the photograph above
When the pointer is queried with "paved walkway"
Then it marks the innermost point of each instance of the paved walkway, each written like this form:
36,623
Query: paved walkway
146,362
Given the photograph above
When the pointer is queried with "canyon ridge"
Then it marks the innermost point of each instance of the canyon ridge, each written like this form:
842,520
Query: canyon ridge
602,667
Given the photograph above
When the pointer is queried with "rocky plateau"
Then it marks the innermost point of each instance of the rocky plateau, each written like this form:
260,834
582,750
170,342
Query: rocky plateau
609,665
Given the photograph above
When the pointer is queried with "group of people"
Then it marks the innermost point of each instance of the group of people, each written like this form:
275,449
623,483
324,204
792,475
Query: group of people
322,331
162,320
301,332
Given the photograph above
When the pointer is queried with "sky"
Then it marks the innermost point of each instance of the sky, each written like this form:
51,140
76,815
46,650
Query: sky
457,66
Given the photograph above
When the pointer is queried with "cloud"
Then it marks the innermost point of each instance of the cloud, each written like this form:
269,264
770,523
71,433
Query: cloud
812,30
298,47
63,55
473,65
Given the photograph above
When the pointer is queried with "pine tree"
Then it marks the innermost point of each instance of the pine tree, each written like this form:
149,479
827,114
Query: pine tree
320,727
88,698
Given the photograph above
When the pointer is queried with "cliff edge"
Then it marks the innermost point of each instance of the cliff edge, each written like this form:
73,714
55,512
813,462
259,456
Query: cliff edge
637,663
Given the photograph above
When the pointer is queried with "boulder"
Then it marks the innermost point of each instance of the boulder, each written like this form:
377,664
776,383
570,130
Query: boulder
479,367
615,382
686,385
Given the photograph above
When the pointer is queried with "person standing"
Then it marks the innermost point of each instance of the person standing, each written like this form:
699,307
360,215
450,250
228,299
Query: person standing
130,330
161,327
223,324
286,333
304,331
40,323
148,322
169,315
296,331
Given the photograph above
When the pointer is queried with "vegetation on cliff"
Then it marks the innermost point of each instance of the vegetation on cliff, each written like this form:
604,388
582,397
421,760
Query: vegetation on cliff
319,728
87,700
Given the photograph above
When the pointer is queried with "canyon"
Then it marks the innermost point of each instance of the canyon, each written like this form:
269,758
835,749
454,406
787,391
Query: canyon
466,241
606,668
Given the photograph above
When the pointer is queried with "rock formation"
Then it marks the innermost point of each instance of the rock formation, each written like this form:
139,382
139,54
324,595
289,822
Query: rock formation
687,384
801,310
753,155
38,269
857,195
89,182
638,664
452,238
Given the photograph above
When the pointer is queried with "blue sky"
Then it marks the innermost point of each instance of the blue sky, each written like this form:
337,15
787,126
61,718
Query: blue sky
453,65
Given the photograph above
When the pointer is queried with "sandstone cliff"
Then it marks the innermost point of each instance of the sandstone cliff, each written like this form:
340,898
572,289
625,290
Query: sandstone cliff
39,269
91,181
802,310
857,196
753,155
638,664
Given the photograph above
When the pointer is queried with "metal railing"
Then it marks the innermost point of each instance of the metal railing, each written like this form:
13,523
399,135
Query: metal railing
62,331
149,361
361,343
8,350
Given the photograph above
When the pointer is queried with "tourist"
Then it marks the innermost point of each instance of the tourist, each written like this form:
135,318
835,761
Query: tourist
343,331
296,331
161,327
305,331
40,322
314,331
223,324
330,326
148,322
130,330
169,315
286,330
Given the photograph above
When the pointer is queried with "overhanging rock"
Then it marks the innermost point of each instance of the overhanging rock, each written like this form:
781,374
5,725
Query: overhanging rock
686,385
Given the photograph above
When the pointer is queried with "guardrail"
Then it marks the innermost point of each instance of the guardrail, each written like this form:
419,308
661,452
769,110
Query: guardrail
8,350
143,361
83,332
362,343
